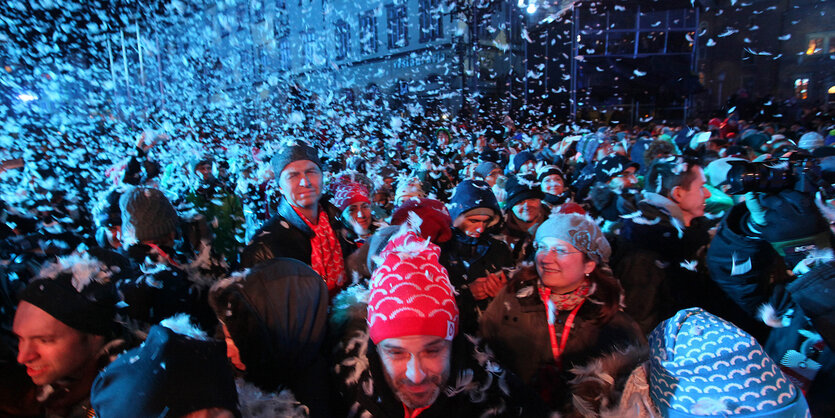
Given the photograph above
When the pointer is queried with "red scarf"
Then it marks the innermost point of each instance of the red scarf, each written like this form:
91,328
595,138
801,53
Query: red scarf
326,255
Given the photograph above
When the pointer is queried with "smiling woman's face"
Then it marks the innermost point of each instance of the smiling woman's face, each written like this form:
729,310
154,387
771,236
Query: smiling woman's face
560,265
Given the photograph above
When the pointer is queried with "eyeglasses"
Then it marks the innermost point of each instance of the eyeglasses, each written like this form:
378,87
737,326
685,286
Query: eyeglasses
558,251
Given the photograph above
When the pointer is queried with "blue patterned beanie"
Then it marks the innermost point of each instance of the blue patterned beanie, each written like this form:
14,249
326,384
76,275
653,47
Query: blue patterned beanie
702,365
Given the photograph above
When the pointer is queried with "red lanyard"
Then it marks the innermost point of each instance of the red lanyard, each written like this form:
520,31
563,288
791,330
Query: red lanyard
163,254
558,349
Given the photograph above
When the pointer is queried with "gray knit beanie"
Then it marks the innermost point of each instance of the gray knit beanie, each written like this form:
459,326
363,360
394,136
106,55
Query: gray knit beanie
298,150
147,215
578,230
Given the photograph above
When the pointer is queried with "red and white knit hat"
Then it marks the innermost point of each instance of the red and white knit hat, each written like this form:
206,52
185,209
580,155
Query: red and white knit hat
410,292
347,191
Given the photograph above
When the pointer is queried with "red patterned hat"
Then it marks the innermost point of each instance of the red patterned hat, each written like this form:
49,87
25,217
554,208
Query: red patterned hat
410,292
346,192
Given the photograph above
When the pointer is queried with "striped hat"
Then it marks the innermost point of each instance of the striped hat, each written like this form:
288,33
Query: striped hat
703,365
410,292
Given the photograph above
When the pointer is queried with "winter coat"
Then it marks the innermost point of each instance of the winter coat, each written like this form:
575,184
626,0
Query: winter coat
467,259
660,263
519,239
165,289
277,317
515,325
287,235
224,214
801,310
477,387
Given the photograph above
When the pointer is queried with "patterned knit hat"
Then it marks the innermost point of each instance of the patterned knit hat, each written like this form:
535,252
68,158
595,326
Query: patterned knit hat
347,191
611,166
147,214
578,230
702,365
410,292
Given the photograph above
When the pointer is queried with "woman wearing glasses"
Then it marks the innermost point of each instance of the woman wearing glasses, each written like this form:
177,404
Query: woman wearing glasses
563,313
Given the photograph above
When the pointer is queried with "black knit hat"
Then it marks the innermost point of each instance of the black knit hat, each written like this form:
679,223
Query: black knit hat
169,375
77,290
299,150
521,188
547,170
473,194
147,214
611,166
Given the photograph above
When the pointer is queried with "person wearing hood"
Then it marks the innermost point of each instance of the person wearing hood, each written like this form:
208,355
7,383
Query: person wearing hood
524,212
562,312
274,318
305,226
178,371
475,259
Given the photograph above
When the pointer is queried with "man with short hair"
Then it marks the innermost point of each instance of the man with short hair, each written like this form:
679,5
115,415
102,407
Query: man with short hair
661,245
304,227
401,352
63,324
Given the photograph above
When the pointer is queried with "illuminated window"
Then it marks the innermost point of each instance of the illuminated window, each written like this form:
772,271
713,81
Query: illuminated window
801,88
815,46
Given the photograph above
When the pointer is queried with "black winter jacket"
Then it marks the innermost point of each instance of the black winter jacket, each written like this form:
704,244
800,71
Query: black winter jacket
467,259
803,306
287,235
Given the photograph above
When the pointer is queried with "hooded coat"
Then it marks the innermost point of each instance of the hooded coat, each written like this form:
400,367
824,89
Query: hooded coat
277,317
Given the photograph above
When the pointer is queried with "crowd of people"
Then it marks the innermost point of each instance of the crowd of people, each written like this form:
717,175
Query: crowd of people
448,269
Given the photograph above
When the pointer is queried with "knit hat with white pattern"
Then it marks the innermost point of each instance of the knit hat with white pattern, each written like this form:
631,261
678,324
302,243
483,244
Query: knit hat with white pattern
703,365
347,191
410,292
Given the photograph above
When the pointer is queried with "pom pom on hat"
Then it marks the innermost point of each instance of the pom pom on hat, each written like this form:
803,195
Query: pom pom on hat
410,293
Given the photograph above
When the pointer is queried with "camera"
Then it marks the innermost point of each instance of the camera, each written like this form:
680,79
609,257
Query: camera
800,172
